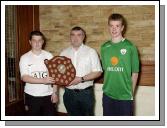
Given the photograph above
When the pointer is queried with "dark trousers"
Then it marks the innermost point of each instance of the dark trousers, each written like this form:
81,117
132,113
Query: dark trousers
79,102
112,107
39,106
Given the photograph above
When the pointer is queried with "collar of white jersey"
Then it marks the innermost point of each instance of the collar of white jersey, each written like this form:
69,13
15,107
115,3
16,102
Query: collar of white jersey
36,54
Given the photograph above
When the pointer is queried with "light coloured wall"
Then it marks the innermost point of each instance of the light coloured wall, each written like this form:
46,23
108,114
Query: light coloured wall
144,101
56,22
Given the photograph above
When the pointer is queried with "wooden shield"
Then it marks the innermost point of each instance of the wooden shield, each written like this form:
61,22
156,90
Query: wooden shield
62,69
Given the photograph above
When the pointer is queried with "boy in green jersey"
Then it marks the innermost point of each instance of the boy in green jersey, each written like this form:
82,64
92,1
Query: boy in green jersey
121,66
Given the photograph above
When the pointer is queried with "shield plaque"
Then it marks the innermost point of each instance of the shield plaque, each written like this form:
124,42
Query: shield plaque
62,69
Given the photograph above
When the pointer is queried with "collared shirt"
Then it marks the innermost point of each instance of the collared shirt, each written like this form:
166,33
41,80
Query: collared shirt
85,61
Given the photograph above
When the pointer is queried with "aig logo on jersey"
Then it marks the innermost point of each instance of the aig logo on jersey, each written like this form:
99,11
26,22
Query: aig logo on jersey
39,74
123,51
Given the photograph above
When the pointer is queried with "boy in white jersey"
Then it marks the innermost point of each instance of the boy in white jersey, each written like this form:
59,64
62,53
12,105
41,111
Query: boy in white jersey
40,96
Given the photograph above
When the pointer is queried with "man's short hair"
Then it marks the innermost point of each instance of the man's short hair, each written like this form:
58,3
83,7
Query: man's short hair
77,28
37,33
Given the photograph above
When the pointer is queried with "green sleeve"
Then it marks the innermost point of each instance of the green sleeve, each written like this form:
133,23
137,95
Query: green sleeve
135,60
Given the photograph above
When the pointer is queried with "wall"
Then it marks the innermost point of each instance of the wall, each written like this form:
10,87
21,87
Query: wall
56,22
144,101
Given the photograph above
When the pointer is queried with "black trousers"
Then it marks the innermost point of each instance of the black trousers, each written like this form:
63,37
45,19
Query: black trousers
113,107
79,102
40,106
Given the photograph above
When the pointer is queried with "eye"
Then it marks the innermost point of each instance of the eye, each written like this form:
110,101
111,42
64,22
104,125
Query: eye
40,41
79,34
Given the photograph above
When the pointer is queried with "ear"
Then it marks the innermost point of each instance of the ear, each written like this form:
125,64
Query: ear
42,42
30,42
122,27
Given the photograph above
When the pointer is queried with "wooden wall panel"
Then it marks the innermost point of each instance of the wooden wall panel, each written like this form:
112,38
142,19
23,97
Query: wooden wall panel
147,74
27,20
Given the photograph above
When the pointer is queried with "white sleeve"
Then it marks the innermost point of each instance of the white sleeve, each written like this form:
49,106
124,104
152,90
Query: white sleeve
62,53
50,56
23,64
95,62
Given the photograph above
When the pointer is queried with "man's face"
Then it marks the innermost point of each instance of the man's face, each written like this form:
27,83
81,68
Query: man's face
77,38
115,28
36,42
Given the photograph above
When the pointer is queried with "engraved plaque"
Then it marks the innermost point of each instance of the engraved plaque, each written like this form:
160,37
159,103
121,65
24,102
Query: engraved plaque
62,69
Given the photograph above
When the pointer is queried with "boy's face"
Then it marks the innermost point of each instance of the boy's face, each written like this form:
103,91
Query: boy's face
36,42
77,38
115,28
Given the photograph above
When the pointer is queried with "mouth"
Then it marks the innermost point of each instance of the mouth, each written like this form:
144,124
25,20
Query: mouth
114,33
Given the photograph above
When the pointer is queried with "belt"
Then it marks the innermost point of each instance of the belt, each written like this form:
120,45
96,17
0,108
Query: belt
79,90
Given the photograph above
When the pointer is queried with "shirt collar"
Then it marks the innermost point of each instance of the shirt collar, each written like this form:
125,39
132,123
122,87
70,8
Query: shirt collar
82,45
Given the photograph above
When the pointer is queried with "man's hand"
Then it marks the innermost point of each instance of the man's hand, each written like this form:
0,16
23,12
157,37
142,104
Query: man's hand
54,98
77,80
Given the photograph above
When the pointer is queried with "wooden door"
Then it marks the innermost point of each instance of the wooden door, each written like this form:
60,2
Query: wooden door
22,19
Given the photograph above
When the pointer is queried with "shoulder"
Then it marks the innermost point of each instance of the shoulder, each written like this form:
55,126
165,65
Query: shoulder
47,54
90,52
25,58
89,49
65,51
129,43
26,55
106,44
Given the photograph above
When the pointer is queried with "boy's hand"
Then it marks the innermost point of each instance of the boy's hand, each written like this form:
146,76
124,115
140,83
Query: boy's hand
48,80
54,98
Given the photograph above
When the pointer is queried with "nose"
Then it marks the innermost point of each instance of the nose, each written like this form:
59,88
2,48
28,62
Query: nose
75,38
38,43
114,28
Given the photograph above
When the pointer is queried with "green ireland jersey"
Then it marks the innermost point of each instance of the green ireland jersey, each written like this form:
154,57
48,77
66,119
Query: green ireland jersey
119,61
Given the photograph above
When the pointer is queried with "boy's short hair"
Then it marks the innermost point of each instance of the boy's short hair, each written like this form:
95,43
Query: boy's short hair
37,33
118,17
77,28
